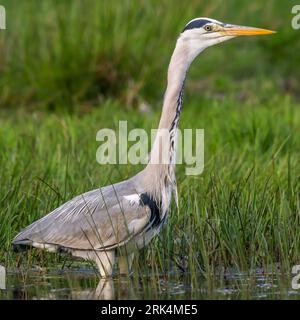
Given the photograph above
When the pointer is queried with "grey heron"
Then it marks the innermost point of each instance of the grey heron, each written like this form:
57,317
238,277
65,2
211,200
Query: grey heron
115,220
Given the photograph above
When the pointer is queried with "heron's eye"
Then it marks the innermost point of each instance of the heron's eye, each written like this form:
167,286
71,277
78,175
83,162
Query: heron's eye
208,28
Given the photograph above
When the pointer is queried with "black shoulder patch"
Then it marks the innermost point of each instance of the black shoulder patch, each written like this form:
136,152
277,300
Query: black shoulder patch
196,24
146,200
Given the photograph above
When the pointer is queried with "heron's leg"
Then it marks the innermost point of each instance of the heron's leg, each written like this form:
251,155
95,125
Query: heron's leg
105,261
125,263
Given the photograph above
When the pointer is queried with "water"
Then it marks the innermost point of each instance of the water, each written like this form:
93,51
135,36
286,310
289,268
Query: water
83,283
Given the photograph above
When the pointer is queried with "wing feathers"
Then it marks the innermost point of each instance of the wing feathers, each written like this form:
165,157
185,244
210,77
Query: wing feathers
98,219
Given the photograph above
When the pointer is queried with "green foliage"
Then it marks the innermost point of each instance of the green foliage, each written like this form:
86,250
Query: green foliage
93,62
68,54
242,212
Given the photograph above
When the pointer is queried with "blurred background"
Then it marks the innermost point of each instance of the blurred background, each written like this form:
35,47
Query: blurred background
73,55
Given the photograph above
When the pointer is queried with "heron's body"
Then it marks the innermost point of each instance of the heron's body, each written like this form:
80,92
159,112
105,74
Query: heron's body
98,224
121,218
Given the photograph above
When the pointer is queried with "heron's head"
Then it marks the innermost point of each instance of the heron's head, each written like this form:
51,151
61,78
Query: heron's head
201,33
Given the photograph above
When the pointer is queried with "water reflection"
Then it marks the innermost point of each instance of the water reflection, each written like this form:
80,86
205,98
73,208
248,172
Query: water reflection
108,289
85,284
105,290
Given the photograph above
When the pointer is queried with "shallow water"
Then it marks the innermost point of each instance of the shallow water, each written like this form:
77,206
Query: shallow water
83,283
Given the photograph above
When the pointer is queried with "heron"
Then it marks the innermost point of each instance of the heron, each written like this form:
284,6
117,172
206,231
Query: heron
109,223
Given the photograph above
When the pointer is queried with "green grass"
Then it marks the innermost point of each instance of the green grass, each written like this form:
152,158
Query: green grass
69,69
242,212
73,54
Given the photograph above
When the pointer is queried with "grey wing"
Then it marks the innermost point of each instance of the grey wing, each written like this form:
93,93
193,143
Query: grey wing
98,219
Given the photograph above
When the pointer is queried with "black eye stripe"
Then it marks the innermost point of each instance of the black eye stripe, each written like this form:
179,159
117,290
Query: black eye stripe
196,24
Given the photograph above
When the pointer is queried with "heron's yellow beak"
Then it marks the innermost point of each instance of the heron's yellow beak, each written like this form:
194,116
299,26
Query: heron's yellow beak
233,30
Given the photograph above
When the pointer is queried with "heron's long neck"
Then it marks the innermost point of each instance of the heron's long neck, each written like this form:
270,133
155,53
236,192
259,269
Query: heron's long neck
162,175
